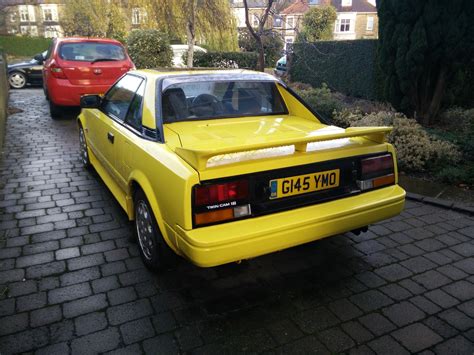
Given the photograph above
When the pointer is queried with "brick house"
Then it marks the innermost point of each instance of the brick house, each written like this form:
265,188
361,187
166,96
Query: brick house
356,19
33,18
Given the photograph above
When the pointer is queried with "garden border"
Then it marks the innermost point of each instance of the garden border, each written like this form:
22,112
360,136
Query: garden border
438,202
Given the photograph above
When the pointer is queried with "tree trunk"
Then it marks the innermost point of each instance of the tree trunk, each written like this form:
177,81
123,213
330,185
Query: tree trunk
191,34
430,100
438,95
261,55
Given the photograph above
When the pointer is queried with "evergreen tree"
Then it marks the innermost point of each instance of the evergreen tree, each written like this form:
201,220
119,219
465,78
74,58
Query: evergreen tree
423,44
318,24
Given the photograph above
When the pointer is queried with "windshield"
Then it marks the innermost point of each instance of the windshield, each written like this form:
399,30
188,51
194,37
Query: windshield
91,51
219,99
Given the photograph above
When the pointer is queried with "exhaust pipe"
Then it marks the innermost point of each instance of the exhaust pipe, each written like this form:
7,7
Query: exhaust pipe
360,230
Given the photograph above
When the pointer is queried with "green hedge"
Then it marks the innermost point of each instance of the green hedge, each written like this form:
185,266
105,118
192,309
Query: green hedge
247,60
17,46
149,49
345,66
3,96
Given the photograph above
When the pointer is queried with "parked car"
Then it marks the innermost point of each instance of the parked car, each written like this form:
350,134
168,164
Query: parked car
179,50
280,67
220,166
28,72
80,66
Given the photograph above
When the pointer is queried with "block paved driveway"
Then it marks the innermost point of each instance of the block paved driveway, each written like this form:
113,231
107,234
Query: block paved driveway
70,280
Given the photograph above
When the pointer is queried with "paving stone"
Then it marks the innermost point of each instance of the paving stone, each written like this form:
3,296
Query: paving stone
97,247
440,327
282,331
67,253
40,247
457,319
417,337
418,264
370,300
44,270
357,332
129,311
431,279
458,345
90,323
23,342
62,331
336,340
377,323
128,350
7,307
387,345
117,267
462,290
344,309
188,338
12,275
45,316
102,341
467,265
425,305
55,349
393,272
85,261
395,292
22,288
33,301
164,342
14,323
316,319
85,305
441,298
69,293
122,295
80,276
467,308
403,313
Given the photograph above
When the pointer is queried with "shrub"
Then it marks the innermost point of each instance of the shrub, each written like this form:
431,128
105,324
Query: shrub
320,99
149,49
23,46
417,150
246,60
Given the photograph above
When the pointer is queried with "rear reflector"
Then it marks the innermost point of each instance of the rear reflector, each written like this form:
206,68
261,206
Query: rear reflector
57,72
222,215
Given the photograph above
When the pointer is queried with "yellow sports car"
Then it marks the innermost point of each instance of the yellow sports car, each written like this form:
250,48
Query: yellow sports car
220,166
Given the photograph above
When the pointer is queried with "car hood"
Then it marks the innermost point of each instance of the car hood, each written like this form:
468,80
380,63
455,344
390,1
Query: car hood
21,65
252,137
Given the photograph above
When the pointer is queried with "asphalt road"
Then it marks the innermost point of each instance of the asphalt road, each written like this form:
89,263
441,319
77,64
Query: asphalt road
71,282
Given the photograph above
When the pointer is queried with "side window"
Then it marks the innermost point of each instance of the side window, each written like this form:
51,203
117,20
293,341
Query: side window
118,99
134,115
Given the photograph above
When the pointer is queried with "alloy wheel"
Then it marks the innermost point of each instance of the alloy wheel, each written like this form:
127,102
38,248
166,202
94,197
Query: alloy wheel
17,80
144,224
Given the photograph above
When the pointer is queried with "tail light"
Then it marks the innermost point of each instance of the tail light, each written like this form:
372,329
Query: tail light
219,202
57,72
376,172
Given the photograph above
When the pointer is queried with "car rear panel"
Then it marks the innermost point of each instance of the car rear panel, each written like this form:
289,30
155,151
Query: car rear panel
100,73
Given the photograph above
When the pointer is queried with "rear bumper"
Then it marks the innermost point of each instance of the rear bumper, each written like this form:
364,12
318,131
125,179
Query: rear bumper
61,92
228,242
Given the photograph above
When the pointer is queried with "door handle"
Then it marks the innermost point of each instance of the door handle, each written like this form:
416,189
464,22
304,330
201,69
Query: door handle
110,137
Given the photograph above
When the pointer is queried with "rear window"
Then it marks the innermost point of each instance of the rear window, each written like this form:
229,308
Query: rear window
91,52
220,99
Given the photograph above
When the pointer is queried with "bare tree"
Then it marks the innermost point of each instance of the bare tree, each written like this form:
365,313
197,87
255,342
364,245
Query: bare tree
258,32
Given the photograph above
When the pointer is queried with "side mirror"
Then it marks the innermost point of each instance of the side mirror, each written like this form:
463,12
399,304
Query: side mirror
39,58
91,101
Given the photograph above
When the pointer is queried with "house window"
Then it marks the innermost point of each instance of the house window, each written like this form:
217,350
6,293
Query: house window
27,13
29,30
277,21
343,25
346,2
289,43
255,21
13,17
50,13
136,16
370,23
314,2
52,31
290,22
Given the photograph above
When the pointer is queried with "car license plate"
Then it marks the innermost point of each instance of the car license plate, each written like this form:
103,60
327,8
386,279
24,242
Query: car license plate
301,184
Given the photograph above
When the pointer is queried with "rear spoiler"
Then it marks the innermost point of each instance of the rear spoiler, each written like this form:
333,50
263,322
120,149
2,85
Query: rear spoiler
198,158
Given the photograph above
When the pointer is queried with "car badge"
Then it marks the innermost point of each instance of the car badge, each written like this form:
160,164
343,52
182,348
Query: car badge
97,71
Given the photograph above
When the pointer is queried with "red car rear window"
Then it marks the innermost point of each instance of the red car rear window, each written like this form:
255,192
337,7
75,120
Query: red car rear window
91,52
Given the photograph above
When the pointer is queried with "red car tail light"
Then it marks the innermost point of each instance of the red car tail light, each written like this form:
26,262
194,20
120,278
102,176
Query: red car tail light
376,172
57,72
219,202
212,194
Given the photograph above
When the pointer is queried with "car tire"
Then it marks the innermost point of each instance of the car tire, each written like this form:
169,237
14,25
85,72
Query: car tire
154,251
55,110
83,152
17,80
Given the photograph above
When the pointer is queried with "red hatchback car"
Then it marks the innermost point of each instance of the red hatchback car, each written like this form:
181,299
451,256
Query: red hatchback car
81,66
